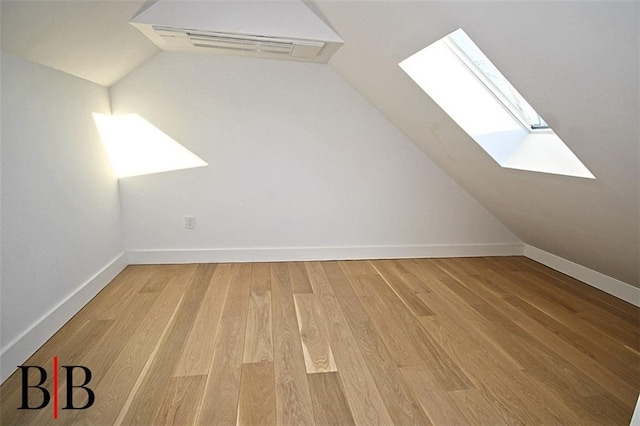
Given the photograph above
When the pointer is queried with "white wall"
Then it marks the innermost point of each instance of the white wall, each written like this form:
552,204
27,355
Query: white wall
300,166
576,63
61,229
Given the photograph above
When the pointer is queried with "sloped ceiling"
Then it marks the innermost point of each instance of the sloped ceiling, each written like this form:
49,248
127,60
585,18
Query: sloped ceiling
576,63
89,39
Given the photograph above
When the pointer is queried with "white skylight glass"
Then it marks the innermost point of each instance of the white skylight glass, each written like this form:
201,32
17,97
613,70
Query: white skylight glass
455,73
493,79
136,147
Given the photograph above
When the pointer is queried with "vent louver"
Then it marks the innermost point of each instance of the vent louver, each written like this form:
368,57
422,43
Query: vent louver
174,38
281,30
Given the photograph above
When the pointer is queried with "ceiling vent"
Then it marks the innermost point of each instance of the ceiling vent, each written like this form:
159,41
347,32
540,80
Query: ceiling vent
264,29
183,39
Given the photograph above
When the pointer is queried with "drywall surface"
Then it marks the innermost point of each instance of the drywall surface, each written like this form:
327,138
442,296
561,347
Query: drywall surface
297,159
575,62
60,210
89,39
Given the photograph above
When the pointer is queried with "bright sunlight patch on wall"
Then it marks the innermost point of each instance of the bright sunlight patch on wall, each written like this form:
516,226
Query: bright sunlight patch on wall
455,73
136,147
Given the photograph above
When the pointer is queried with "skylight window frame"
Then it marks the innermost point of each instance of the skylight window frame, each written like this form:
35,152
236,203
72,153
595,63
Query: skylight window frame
466,99
494,90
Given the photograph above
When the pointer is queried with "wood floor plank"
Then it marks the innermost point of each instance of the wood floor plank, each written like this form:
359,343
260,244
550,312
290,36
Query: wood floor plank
108,347
598,343
429,351
612,325
578,289
392,274
598,372
433,356
181,400
219,404
461,302
473,290
495,278
70,352
435,400
473,275
189,344
110,307
519,345
157,281
130,278
559,300
293,401
508,402
148,396
623,329
544,297
329,403
439,278
534,356
119,380
111,343
257,403
260,277
318,357
390,331
258,344
486,367
607,410
299,279
417,284
196,355
365,397
475,408
539,364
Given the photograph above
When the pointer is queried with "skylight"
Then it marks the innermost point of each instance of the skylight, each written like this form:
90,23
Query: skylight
460,43
460,78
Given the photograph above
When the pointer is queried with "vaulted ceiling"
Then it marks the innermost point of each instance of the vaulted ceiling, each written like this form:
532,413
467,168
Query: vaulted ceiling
89,39
577,64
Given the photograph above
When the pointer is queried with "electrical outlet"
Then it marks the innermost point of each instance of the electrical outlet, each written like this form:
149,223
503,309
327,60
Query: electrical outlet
189,222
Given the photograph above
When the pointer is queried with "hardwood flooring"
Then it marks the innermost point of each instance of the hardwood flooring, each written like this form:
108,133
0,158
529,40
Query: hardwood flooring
484,341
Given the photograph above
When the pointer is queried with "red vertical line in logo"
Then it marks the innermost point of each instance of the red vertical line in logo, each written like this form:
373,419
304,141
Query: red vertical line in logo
55,387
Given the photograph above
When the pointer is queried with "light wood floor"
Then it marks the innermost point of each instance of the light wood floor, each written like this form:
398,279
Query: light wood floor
443,341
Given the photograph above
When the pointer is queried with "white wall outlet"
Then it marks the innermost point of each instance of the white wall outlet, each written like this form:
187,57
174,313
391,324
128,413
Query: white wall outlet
189,222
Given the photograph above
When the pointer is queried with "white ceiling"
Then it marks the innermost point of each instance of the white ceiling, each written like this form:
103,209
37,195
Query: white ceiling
576,63
89,39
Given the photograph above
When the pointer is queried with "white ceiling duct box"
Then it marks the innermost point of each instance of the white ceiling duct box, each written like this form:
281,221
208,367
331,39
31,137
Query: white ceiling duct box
267,29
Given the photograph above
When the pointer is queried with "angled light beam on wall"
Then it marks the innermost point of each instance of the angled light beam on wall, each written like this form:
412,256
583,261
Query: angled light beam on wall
136,147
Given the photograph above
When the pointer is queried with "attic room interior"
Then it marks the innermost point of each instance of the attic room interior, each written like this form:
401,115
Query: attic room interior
320,212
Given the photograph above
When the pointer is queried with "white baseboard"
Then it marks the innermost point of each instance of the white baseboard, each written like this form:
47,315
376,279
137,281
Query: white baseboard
635,418
321,253
614,287
22,347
